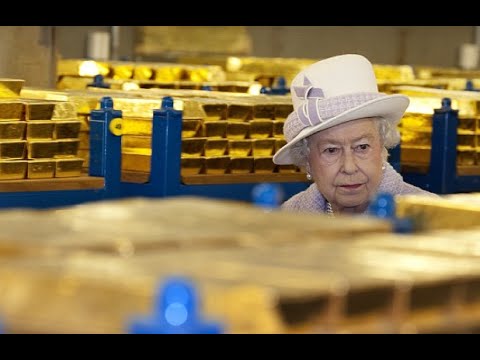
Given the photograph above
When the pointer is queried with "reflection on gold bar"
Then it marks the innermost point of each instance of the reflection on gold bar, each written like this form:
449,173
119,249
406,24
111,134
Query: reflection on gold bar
39,111
465,142
12,130
239,148
12,149
287,169
136,141
282,111
241,165
11,88
67,148
142,72
240,112
278,128
40,129
216,165
193,147
41,169
190,128
11,110
12,170
84,138
123,71
261,129
68,167
215,111
279,143
264,165
466,124
216,147
135,161
263,147
415,137
216,129
417,154
237,130
168,73
137,126
264,112
466,157
67,129
85,126
416,120
192,166
42,149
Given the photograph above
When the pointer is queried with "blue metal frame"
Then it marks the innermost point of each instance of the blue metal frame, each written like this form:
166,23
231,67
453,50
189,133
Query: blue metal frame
442,175
165,179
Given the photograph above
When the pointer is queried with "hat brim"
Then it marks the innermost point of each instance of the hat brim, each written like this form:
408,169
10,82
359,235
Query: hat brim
390,107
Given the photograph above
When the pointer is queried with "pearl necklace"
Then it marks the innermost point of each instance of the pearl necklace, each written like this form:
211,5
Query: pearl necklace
329,210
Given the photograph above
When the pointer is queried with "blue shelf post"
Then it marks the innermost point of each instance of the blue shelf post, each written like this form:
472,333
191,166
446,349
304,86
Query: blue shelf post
106,146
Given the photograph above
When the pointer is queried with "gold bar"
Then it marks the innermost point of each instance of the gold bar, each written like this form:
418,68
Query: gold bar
188,85
241,165
240,112
168,73
84,138
466,157
42,149
13,170
67,148
10,110
40,129
11,88
67,129
278,129
416,121
84,120
413,137
136,141
216,147
261,129
282,111
135,161
143,72
12,130
467,124
226,88
215,112
288,169
279,143
14,150
41,169
85,155
68,167
239,148
137,126
264,165
465,142
39,111
264,112
122,71
237,130
263,147
217,165
191,128
215,129
192,166
193,147
418,154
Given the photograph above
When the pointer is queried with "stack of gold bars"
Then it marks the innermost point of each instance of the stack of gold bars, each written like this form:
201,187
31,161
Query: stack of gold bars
222,133
38,139
97,266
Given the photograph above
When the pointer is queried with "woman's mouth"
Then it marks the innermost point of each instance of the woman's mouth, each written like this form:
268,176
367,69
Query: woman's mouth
351,187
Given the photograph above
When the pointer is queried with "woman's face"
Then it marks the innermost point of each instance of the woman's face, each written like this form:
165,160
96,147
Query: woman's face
346,163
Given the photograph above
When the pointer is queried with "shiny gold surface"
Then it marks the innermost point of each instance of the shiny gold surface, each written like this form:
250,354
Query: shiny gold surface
11,110
42,149
12,169
237,130
261,129
193,147
241,165
136,160
264,165
139,126
415,137
215,112
419,154
216,165
82,67
10,88
67,148
13,150
239,148
84,138
216,147
192,166
468,158
136,141
40,129
191,128
264,147
215,129
41,169
39,110
143,72
287,169
67,129
264,112
277,130
279,143
122,70
68,167
282,111
12,130
239,112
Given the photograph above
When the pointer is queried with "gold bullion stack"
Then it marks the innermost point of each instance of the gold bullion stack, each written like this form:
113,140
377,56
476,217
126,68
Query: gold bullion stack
38,139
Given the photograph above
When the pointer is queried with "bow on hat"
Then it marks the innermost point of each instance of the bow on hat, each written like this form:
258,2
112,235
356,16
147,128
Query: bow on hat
308,111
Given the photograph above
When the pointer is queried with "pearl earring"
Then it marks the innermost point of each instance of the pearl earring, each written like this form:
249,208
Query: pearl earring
383,167
309,177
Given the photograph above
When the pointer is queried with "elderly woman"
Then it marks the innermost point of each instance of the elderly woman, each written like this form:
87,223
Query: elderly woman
339,131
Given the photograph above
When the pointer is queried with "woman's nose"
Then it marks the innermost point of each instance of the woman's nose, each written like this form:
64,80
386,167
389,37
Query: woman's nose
349,163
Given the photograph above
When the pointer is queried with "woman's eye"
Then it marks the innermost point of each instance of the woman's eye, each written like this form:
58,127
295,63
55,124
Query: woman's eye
331,150
363,147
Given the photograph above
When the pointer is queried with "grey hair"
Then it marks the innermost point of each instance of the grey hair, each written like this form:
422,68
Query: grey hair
389,136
